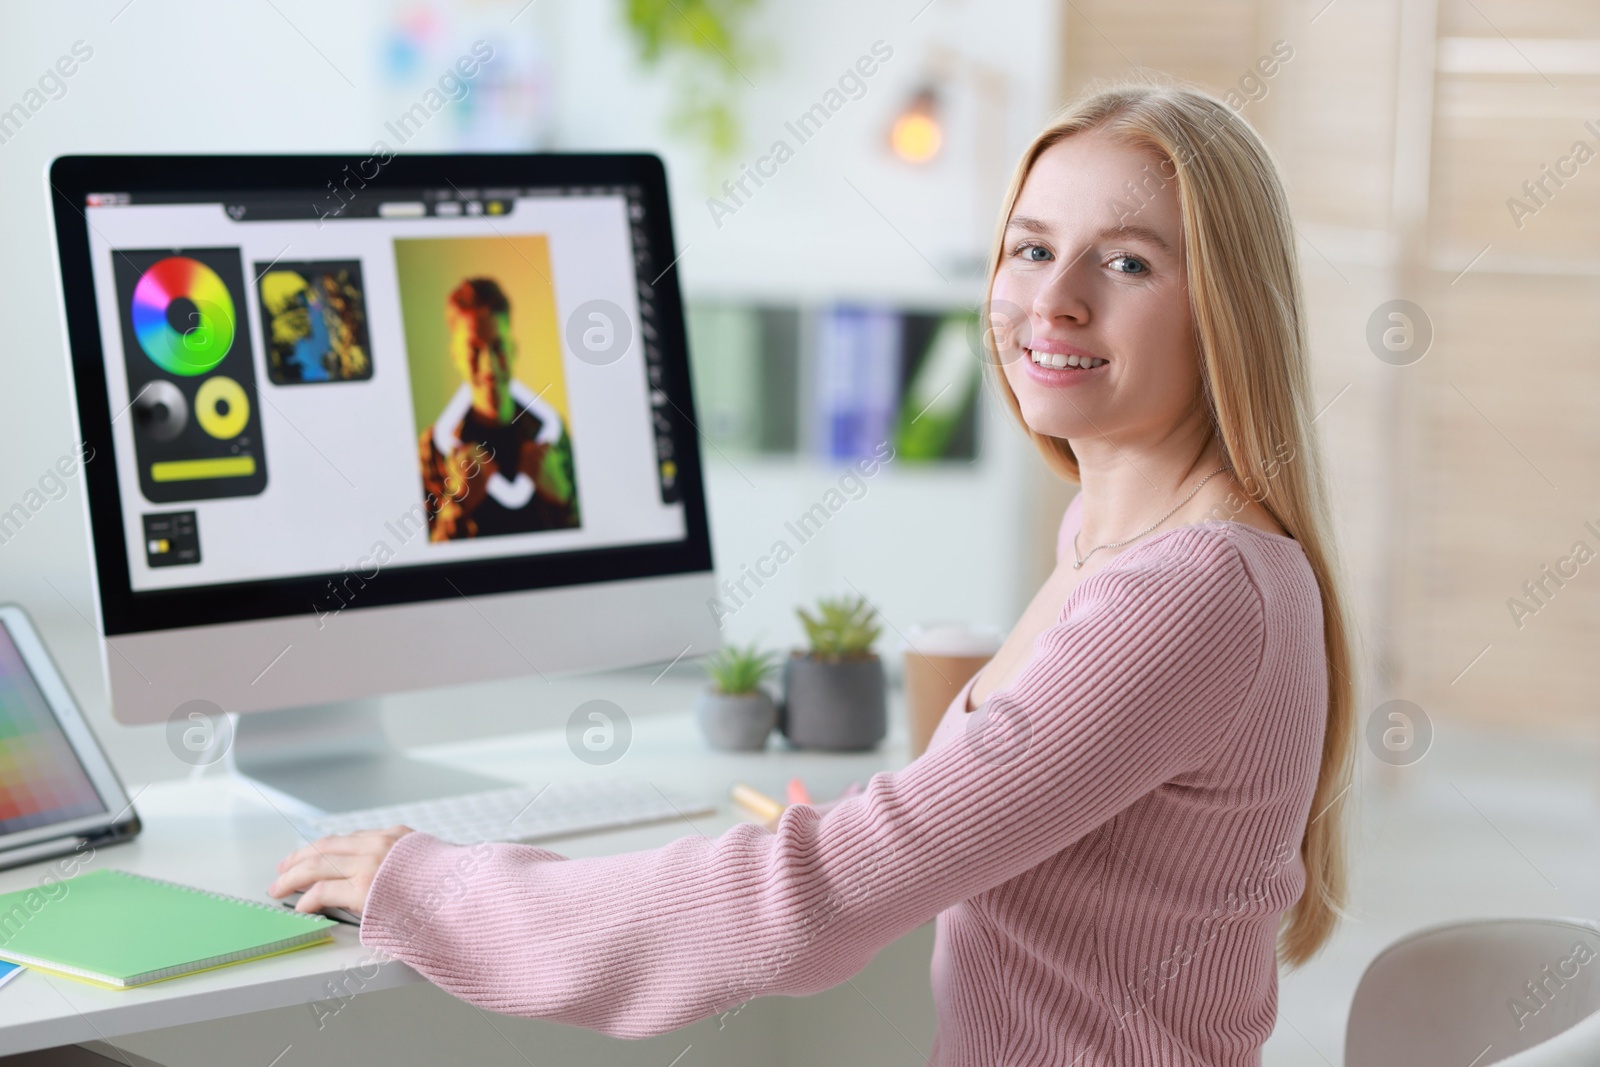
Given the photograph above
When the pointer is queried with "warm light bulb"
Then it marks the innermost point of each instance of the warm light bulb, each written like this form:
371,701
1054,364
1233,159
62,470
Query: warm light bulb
915,137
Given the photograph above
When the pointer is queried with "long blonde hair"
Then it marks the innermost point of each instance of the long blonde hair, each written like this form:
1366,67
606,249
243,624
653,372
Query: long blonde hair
1245,297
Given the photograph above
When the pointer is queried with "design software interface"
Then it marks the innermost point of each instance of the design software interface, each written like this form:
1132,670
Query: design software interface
430,377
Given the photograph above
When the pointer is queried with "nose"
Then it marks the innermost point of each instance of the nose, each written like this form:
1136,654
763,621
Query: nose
1062,295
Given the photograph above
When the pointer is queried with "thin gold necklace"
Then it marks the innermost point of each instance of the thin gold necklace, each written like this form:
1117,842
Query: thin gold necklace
1081,560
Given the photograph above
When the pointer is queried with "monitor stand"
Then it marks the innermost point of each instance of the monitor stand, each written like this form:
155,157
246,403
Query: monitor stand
328,758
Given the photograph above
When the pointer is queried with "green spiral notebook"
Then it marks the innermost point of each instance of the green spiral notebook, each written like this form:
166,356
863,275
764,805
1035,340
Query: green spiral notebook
121,930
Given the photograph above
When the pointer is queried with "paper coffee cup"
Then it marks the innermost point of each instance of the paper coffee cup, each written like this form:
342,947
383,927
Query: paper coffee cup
939,659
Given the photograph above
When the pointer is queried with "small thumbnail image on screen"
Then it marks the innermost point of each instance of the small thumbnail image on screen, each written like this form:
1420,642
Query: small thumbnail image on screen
314,316
487,385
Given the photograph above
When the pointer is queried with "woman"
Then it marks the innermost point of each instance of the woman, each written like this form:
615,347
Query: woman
1143,819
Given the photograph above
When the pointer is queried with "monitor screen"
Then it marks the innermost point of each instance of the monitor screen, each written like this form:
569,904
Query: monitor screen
41,781
306,384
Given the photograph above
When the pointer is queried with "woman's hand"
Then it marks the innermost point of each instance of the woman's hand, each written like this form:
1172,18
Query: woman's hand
336,872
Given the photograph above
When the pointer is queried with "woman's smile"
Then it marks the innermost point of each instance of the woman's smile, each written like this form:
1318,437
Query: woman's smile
1056,363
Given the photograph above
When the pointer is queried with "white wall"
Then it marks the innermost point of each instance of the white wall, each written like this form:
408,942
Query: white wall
186,76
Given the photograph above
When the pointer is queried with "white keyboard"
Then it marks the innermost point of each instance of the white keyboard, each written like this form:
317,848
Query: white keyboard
524,813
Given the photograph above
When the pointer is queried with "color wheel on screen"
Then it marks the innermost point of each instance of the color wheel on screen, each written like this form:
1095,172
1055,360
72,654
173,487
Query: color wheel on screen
186,290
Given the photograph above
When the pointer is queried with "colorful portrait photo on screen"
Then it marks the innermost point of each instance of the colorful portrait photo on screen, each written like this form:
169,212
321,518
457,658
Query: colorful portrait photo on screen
488,388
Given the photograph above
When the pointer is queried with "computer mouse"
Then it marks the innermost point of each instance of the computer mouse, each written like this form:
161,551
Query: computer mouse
343,915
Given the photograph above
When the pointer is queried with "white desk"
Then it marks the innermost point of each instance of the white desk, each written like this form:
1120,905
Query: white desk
219,833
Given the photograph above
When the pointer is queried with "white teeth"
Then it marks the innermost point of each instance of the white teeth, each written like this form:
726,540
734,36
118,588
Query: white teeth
1061,361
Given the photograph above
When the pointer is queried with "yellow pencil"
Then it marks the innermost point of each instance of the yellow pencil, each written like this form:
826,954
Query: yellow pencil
756,803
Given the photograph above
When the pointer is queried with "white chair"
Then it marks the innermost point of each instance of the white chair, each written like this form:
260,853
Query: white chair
1513,992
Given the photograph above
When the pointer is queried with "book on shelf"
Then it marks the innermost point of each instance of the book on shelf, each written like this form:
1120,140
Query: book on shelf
939,402
744,368
838,382
857,366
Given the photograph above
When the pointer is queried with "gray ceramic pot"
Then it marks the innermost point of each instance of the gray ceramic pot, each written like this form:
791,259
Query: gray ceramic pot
835,705
739,722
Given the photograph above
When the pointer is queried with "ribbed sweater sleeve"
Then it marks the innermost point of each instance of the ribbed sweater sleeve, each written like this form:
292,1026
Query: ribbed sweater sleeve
1138,682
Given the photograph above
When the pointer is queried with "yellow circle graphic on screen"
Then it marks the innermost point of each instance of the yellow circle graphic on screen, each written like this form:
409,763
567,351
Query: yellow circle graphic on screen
221,407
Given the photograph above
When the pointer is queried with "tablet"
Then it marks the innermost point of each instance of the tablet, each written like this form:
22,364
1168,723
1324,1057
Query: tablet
57,790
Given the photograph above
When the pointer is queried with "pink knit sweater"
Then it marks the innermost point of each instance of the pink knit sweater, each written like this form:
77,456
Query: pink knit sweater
1107,846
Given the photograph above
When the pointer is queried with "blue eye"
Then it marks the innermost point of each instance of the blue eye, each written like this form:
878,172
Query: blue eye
1034,253
1139,265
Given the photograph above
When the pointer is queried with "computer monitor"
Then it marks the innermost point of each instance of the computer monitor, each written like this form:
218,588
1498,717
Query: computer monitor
359,426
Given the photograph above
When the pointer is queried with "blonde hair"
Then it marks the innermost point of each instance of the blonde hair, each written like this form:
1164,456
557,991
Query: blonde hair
1245,297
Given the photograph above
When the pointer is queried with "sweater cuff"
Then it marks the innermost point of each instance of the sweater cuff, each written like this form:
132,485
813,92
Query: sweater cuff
421,878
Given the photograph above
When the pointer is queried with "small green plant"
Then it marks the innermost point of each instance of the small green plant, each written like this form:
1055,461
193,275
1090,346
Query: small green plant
736,670
841,628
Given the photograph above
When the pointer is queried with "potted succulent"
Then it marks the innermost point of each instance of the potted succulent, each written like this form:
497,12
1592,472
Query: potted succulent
834,693
735,713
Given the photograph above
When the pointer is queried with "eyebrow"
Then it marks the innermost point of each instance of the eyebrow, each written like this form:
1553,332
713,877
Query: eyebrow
1131,230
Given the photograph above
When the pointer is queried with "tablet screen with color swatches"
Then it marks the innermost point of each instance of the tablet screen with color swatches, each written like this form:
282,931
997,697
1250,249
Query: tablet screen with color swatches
41,781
